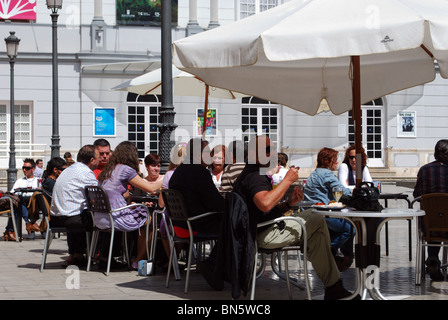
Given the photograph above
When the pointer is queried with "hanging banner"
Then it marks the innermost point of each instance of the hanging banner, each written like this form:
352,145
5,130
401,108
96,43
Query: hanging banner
104,122
143,12
18,9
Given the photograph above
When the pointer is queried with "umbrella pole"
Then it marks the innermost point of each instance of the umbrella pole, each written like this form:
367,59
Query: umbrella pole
356,110
204,118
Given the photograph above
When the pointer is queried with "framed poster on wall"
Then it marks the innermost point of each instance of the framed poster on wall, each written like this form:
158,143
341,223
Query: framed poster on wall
212,122
104,122
406,124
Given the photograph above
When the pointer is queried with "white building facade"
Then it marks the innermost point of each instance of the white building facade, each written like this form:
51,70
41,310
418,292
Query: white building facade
96,51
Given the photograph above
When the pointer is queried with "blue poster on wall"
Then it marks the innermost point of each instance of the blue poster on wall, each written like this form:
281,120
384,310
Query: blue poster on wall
104,122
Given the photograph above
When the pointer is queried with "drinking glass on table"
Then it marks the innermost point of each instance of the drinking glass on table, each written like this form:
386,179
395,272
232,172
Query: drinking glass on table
337,193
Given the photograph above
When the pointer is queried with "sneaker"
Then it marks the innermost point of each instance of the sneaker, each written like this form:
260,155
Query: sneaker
433,267
337,291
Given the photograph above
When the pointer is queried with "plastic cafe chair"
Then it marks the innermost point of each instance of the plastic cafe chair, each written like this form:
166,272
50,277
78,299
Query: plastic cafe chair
43,201
98,202
434,229
177,211
10,214
276,259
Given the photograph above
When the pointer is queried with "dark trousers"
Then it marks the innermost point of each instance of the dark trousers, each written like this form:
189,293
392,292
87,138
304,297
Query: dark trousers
76,226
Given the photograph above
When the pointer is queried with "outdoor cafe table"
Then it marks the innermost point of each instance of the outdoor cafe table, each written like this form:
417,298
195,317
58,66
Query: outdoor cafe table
367,243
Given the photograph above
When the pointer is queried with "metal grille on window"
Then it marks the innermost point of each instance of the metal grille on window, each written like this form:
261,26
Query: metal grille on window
371,119
143,117
259,117
22,130
136,128
3,132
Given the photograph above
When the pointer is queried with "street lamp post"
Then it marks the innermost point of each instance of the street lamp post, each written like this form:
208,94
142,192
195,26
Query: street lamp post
166,119
12,45
54,6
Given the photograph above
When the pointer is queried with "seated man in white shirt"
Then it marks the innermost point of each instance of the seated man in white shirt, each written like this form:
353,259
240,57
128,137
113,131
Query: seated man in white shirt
29,181
39,171
69,203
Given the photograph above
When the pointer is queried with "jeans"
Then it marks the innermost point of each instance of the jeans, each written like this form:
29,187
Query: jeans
20,209
341,235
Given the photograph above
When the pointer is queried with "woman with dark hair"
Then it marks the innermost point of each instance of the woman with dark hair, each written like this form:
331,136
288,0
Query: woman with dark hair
347,170
54,168
318,188
153,163
120,171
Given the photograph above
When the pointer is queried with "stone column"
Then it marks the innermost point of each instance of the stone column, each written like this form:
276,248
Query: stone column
214,22
97,28
193,25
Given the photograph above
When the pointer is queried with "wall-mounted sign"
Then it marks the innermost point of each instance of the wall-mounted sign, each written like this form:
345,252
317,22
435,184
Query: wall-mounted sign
104,122
406,124
18,9
212,122
143,12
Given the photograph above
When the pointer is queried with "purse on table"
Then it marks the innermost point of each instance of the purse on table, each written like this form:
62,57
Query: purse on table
365,197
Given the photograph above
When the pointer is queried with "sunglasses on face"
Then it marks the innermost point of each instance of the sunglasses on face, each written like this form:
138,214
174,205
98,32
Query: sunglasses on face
351,157
27,168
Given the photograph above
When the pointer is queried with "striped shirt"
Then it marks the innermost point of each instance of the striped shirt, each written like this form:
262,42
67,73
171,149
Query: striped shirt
431,178
229,176
68,193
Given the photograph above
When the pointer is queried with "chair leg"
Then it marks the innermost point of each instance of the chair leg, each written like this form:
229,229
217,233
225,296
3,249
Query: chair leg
14,225
190,256
172,248
418,262
93,243
288,283
254,274
48,234
111,245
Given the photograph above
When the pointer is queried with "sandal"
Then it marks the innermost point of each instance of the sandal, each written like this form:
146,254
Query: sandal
9,236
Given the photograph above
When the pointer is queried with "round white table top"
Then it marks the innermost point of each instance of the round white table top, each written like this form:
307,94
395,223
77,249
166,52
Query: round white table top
385,213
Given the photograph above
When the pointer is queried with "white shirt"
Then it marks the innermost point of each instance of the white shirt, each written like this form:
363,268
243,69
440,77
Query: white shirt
343,175
38,172
68,193
278,177
32,183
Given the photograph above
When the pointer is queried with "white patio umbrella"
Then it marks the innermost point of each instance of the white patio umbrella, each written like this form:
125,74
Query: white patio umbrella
345,53
184,84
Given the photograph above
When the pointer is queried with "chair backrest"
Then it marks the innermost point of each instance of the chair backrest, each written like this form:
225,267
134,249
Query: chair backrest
174,204
97,199
435,206
43,204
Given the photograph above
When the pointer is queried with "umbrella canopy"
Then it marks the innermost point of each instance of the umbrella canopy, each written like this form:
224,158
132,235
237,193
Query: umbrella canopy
184,84
344,52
